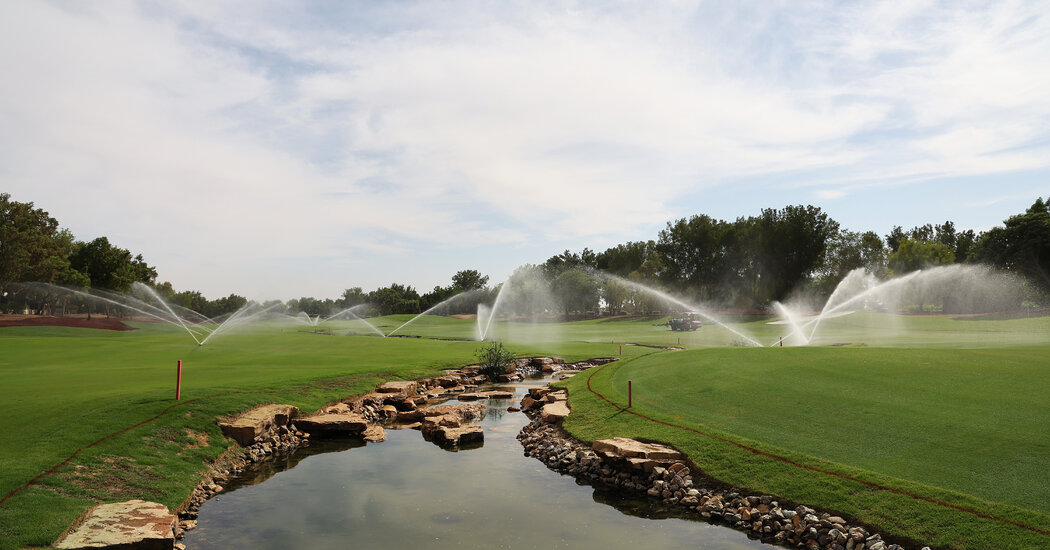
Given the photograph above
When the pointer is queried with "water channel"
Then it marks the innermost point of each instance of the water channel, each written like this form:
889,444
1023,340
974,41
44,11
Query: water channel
408,493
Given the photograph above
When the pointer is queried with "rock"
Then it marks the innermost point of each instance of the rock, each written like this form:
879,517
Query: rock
553,413
539,393
131,525
404,388
389,411
471,396
628,448
448,436
513,409
374,434
245,427
528,402
333,424
463,411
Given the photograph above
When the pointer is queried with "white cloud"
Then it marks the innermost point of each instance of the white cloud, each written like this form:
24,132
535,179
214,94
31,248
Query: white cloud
212,136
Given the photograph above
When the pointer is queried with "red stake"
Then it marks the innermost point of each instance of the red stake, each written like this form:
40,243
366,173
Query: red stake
178,382
630,395
621,349
781,341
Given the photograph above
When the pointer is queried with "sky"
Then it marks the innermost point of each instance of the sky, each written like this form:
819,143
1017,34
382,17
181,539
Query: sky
284,149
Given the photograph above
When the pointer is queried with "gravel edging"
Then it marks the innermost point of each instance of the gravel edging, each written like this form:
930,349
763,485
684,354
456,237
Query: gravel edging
674,485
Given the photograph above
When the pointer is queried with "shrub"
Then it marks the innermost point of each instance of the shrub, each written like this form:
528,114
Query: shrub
494,360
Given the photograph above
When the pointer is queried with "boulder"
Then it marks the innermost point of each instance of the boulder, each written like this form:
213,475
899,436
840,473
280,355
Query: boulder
539,393
410,416
463,411
553,413
374,434
332,424
472,396
630,448
245,427
131,525
404,388
528,402
448,436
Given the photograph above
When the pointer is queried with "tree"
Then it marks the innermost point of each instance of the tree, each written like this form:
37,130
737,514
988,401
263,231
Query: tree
893,239
913,255
1022,245
788,245
694,254
615,294
109,267
395,299
351,297
848,250
32,247
576,291
622,259
556,265
469,279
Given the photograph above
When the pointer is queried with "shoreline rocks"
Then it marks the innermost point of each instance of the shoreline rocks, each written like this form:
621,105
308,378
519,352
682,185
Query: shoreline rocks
662,474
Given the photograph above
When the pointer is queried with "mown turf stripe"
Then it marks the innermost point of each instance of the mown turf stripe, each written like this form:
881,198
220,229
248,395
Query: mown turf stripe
790,462
55,468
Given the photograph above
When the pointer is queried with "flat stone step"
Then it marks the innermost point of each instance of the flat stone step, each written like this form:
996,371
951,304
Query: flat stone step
552,413
246,426
332,424
131,525
630,448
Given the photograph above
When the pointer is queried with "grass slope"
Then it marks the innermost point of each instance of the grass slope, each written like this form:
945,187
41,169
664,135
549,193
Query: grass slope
63,388
962,426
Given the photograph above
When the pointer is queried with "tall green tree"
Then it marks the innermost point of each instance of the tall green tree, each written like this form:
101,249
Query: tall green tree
109,267
789,244
576,291
913,255
1021,245
469,279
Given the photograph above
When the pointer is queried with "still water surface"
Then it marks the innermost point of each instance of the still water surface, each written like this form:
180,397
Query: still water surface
408,493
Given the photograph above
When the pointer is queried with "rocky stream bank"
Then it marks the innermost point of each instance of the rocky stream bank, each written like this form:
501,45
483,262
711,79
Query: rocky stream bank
664,475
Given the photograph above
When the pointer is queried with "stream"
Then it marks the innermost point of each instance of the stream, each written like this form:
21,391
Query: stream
409,493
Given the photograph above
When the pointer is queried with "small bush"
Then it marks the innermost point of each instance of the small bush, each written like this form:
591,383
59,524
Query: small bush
494,360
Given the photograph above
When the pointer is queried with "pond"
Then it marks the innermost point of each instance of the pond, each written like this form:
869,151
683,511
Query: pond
408,493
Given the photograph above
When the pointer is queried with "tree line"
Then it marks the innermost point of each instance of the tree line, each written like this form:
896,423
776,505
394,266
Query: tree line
751,261
744,263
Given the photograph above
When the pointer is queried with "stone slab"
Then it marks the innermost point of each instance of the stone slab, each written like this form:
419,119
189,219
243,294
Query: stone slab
244,427
332,424
404,388
131,525
554,412
630,448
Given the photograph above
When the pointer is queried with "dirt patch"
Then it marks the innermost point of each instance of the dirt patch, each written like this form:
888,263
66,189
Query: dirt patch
104,323
464,316
199,439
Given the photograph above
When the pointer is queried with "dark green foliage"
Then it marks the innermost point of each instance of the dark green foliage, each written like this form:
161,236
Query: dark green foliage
494,360
576,290
1021,246
109,267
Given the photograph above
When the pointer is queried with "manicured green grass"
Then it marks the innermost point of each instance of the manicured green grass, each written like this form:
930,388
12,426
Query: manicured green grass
62,389
967,427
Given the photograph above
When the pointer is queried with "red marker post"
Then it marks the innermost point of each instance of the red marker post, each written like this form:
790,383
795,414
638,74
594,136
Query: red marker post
178,382
630,395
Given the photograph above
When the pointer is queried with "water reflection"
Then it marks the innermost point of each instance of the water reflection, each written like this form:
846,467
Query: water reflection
406,492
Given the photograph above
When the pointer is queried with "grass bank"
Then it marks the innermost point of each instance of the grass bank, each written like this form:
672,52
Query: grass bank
64,389
963,427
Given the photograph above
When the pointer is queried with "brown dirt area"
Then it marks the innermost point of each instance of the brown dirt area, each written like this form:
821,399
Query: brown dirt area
104,323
